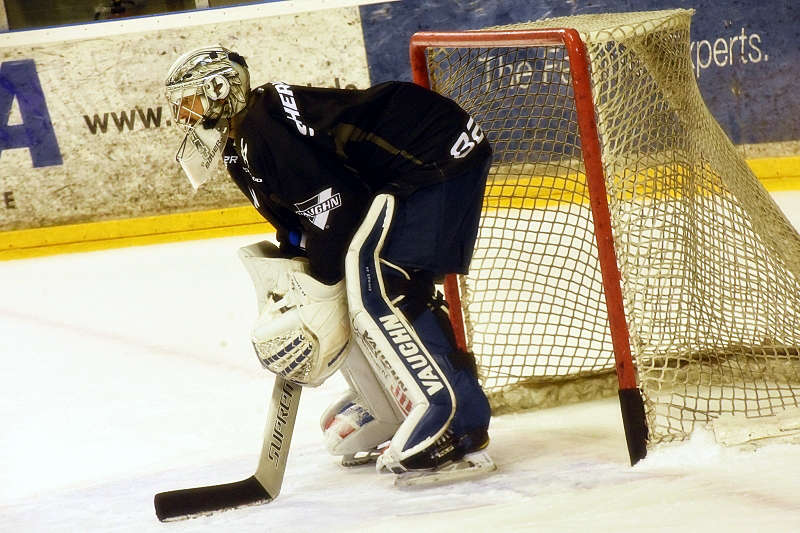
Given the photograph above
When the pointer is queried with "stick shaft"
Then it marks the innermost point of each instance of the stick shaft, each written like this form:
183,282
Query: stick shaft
278,435
263,486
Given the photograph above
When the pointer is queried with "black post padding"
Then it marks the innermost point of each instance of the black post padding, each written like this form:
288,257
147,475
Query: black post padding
635,423
201,500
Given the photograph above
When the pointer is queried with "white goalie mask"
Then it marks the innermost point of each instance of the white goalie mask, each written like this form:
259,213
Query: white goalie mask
205,88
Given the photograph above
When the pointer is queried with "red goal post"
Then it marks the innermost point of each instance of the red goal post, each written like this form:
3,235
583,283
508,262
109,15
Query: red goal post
630,397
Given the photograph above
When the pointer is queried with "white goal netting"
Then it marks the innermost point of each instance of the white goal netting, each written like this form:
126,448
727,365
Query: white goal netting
709,264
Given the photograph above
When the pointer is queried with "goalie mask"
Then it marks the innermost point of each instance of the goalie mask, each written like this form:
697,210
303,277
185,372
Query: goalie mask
205,88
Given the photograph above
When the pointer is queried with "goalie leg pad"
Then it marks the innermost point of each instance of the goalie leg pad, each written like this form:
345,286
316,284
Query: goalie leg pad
467,431
363,418
411,360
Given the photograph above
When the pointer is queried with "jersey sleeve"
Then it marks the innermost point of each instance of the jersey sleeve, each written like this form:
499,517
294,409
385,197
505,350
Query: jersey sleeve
287,228
303,190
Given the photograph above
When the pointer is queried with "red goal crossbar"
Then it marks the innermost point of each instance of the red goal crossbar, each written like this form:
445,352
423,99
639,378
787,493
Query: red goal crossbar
630,396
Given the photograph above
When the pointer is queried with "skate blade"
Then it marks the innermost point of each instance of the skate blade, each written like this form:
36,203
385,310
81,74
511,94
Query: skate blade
469,467
361,458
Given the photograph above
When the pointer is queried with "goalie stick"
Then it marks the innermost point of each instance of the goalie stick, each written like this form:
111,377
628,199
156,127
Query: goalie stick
261,487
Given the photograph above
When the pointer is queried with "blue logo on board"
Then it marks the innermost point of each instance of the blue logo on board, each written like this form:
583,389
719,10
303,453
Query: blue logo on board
19,80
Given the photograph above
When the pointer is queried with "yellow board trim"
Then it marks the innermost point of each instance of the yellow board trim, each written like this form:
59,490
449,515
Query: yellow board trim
777,174
93,236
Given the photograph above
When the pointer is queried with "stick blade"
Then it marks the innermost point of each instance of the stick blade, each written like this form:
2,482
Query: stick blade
187,503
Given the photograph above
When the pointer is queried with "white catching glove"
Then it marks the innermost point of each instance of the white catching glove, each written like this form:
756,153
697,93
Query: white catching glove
303,327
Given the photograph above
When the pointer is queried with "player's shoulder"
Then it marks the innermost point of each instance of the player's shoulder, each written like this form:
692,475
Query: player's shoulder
412,93
397,86
276,91
269,98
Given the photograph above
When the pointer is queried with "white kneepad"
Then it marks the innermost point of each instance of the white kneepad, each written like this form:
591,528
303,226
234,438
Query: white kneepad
303,326
363,418
349,428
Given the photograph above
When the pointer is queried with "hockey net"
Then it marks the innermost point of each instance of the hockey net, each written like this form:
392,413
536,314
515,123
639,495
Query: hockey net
708,265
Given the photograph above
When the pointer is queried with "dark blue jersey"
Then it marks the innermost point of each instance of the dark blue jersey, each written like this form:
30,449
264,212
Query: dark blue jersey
312,159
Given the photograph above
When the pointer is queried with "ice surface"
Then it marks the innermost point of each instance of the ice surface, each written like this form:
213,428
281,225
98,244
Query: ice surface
129,372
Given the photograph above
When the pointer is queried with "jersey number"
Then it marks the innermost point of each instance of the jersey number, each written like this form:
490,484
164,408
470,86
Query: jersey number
467,140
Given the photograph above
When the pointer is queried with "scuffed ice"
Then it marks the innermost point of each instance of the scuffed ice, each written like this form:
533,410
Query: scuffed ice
129,372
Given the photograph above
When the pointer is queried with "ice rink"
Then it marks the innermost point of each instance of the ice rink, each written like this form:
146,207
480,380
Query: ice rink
129,372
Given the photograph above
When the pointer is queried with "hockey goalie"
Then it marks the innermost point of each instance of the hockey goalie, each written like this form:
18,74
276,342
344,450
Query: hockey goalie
375,194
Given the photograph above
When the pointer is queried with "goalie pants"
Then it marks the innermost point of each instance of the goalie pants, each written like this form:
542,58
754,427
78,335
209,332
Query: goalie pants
403,328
